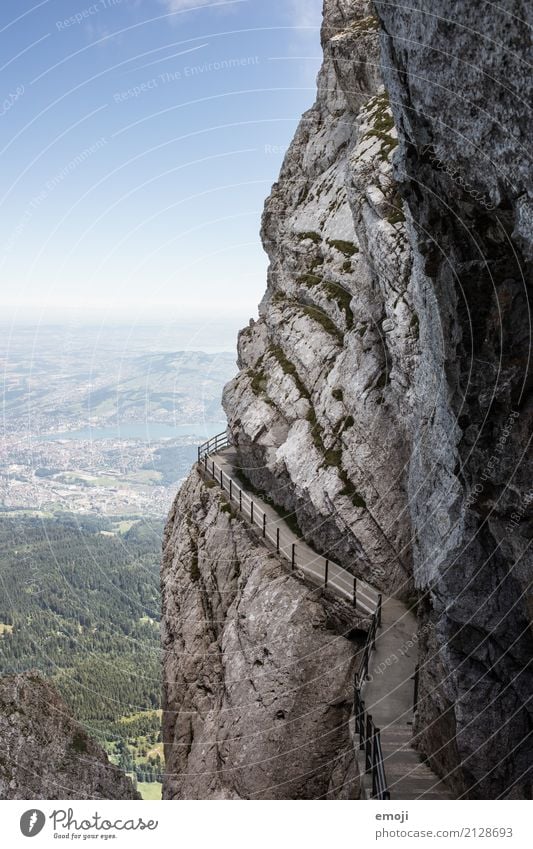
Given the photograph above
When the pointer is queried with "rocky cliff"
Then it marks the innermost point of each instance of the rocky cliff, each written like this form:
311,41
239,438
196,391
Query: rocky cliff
320,409
258,666
383,398
45,754
461,92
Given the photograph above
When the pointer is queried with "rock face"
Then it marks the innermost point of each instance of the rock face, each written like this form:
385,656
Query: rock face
320,409
460,89
45,754
384,397
258,667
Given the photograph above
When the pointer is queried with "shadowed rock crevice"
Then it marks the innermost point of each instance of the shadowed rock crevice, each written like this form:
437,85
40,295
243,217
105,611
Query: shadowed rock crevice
459,96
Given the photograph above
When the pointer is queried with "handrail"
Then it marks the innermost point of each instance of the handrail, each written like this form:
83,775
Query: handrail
213,445
370,643
370,743
333,575
369,735
322,570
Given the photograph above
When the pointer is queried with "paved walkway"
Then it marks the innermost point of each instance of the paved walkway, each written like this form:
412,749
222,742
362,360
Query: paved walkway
389,692
389,700
313,565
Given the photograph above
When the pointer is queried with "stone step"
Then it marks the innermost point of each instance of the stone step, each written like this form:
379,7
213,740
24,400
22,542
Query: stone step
408,776
409,769
395,742
410,795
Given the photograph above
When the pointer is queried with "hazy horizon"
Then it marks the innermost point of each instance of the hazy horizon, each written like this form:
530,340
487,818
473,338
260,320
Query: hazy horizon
150,334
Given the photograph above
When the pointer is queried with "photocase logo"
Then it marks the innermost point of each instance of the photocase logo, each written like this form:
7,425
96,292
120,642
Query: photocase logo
32,822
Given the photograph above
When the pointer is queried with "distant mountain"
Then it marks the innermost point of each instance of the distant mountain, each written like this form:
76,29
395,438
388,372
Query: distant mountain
57,391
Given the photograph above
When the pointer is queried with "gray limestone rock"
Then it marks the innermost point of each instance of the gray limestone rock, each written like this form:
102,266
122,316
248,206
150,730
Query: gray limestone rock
320,409
258,667
45,754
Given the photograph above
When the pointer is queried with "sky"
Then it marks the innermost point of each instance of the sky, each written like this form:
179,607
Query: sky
139,140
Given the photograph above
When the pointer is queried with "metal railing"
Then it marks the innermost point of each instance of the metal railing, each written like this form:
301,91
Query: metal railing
370,743
369,734
321,570
370,643
213,445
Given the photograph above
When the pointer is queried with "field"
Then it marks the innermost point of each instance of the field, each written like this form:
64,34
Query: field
150,792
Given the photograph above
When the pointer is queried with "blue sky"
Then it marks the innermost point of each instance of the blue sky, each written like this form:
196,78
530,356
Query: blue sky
139,141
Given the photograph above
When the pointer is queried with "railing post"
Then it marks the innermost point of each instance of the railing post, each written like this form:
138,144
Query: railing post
240,500
221,479
199,457
357,705
264,525
355,592
374,765
368,743
205,464
230,489
251,511
416,677
293,556
213,470
326,574
277,540
374,629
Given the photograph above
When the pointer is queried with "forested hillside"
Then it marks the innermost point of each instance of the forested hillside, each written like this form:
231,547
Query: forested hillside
82,605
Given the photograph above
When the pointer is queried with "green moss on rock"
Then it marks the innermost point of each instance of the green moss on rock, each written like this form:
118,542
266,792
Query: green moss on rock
288,368
382,124
343,298
344,247
310,280
310,234
324,320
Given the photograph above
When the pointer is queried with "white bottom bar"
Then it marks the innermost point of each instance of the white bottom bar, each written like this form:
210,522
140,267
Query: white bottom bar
262,825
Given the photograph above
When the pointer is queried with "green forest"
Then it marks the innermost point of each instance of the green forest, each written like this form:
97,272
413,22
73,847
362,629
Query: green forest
81,604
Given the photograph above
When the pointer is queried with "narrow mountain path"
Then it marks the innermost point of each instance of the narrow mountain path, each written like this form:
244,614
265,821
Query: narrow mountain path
313,565
389,690
388,697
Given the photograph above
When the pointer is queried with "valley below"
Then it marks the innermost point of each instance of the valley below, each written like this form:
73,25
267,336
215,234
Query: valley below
90,459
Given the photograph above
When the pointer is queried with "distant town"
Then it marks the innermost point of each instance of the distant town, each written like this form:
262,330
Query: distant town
113,433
